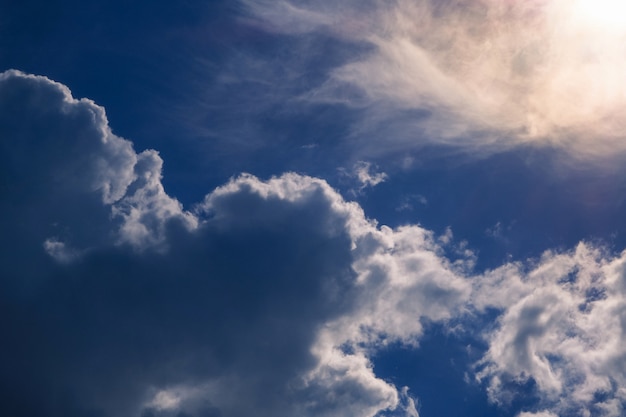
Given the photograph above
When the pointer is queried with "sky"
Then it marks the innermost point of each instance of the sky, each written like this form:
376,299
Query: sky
404,208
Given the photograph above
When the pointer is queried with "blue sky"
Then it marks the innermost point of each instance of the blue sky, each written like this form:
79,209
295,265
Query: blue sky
317,209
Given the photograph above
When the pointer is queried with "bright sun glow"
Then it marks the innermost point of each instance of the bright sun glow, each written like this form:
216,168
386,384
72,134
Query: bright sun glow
608,14
546,69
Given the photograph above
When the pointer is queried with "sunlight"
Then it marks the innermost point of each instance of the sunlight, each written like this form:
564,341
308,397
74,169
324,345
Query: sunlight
548,70
607,14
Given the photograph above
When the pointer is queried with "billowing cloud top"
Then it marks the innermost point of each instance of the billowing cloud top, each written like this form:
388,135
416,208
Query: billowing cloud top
121,303
269,298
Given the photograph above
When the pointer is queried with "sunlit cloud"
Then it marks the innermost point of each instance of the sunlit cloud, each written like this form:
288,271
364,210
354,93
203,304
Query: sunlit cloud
561,328
480,72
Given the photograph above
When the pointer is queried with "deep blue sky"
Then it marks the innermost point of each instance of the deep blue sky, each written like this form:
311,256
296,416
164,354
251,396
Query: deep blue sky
201,319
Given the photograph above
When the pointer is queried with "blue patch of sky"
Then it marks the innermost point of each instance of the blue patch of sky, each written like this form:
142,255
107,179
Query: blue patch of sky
438,374
510,205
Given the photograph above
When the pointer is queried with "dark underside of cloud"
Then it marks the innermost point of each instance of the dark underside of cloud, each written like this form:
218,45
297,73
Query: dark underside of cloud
244,305
268,298
108,299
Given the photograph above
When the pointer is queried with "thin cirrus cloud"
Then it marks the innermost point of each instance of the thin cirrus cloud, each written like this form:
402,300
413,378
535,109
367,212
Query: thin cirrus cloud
482,74
268,298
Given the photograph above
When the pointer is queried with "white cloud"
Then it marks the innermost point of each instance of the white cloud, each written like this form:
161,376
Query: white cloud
59,251
275,291
165,400
404,280
367,177
539,414
480,75
561,327
146,208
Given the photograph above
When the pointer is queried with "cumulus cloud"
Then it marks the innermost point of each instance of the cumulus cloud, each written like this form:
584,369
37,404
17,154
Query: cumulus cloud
480,74
59,153
268,298
265,300
561,328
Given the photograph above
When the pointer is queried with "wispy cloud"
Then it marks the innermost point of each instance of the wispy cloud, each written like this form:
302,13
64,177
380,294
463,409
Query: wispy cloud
365,175
483,73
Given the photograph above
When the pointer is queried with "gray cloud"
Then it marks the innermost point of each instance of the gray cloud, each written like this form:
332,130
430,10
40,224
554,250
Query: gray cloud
268,298
121,303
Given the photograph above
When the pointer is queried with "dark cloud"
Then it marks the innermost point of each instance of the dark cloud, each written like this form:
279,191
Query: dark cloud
270,298
117,302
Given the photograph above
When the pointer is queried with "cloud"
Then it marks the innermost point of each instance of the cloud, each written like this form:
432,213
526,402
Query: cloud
561,328
365,175
367,178
483,75
59,153
539,414
268,298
